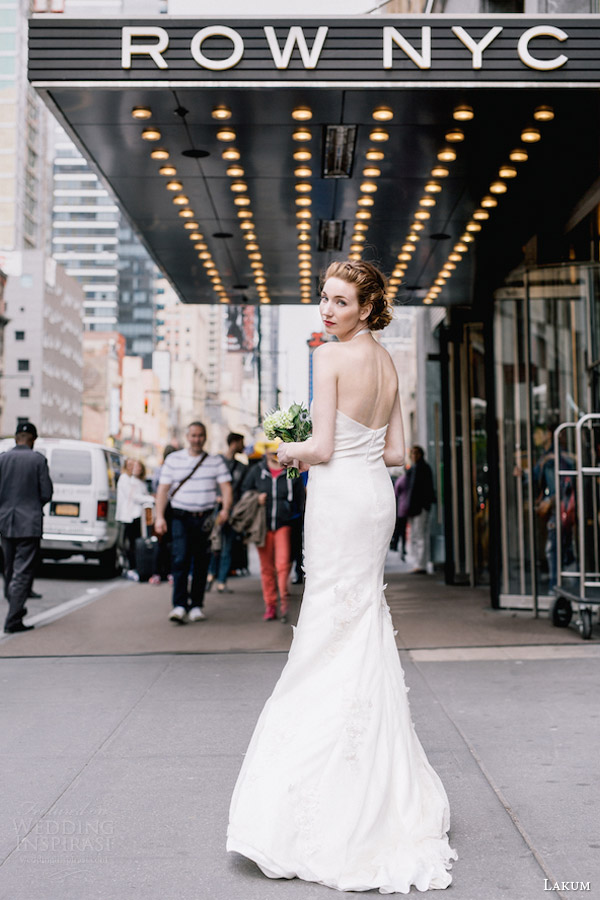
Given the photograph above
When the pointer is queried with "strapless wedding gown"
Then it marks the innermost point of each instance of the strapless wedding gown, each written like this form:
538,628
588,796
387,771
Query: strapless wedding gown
335,787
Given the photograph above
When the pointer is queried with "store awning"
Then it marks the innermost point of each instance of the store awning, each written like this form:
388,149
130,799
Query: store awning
397,196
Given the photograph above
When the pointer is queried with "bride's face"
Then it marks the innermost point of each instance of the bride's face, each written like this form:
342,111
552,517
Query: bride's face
340,310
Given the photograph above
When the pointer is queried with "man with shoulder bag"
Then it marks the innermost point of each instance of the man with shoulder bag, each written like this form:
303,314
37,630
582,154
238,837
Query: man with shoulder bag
190,481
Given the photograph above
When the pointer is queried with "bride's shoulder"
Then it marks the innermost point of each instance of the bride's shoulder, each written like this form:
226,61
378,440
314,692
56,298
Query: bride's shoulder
327,352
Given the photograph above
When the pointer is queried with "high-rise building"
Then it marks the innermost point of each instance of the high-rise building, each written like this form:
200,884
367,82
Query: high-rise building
137,286
92,239
85,225
23,120
43,358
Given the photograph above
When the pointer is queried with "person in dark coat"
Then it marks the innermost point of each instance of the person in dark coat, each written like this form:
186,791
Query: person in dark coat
25,488
283,498
401,490
421,495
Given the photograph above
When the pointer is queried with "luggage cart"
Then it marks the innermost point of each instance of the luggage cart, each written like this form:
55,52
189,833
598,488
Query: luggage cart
579,587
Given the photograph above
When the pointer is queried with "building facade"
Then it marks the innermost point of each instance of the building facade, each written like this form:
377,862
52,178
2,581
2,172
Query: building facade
43,359
23,135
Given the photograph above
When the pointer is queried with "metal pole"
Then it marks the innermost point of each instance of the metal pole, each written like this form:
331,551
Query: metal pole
531,516
580,510
258,366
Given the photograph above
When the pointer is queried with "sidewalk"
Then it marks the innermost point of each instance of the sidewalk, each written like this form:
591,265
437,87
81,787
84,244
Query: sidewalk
117,765
133,618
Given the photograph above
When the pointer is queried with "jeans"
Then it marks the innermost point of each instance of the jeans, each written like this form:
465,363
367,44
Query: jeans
220,563
189,547
419,539
131,532
275,565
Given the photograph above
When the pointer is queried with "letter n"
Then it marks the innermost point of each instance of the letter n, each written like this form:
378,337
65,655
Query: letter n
392,36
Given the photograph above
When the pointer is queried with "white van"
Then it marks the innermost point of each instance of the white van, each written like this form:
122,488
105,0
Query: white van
80,518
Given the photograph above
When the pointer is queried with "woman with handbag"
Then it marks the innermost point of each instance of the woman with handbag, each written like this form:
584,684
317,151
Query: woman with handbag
284,501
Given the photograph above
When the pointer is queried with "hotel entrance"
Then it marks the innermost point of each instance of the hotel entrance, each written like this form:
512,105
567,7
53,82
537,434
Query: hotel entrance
248,155
546,373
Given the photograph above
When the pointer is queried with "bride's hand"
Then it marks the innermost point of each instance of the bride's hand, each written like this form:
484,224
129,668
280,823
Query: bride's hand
284,456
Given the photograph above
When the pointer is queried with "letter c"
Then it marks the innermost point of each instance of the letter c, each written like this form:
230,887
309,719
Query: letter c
217,65
541,31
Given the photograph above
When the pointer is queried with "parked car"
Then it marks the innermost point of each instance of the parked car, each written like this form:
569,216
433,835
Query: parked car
80,518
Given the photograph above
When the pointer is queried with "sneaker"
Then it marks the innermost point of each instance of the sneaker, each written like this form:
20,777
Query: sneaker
196,614
154,579
132,575
178,614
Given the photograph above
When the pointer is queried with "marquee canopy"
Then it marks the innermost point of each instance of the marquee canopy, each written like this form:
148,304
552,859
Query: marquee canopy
247,154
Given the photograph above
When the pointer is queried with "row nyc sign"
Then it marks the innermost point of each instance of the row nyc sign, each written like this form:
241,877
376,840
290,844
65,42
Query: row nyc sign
444,50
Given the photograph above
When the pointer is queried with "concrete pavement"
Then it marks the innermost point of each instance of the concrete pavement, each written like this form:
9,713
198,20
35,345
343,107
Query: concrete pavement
117,765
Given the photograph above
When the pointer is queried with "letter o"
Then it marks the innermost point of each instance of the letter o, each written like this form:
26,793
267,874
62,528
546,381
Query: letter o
542,65
217,65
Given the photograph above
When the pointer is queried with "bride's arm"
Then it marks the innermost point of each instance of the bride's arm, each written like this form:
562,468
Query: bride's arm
319,447
394,452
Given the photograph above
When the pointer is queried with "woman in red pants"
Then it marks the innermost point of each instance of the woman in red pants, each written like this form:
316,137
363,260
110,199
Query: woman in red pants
284,501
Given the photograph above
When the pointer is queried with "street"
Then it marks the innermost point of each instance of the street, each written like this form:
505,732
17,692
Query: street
122,737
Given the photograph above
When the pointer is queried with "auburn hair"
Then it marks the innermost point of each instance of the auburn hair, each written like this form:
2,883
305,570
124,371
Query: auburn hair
371,287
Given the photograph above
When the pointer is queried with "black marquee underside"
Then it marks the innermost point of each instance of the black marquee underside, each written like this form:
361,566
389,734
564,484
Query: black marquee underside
560,168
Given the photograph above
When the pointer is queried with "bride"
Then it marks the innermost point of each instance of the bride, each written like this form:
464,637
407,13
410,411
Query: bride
335,787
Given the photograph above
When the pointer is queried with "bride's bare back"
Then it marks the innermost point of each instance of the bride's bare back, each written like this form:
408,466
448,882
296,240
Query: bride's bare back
367,382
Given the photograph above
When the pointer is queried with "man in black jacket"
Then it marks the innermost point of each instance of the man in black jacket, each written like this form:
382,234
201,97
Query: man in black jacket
421,496
25,487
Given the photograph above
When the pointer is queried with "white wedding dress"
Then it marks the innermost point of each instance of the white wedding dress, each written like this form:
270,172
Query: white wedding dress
335,787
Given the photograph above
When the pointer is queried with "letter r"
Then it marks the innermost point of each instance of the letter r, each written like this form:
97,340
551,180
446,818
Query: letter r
153,50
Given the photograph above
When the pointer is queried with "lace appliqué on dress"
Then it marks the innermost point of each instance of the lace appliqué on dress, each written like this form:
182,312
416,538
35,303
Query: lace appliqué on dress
358,711
386,610
274,747
346,606
305,806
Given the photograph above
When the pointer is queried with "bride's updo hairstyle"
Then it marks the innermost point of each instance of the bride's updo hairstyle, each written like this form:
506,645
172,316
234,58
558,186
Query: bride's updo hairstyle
370,286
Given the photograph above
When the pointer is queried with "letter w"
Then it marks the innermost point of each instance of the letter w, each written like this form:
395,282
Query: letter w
295,36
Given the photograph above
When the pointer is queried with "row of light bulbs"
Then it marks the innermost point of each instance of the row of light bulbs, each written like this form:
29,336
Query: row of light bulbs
447,154
239,188
530,134
303,201
180,199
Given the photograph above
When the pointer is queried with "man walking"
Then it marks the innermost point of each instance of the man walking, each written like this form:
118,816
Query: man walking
190,480
25,487
220,563
421,495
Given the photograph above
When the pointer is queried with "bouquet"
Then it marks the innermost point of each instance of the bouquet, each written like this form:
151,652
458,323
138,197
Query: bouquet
291,424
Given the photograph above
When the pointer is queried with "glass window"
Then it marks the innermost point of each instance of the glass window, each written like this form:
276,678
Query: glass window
7,41
23,365
23,392
71,467
19,335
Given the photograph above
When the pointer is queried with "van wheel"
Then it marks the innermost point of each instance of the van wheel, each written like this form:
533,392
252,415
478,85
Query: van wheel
110,563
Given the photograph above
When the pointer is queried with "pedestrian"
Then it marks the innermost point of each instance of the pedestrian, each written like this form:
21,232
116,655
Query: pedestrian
133,498
283,498
190,481
401,490
421,496
163,558
297,539
220,561
25,488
